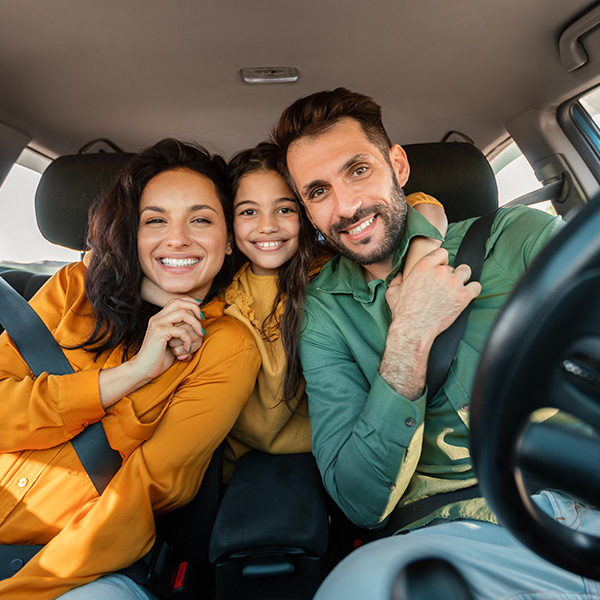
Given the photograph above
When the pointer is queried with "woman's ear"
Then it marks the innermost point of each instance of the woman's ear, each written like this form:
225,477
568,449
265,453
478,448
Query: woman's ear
399,163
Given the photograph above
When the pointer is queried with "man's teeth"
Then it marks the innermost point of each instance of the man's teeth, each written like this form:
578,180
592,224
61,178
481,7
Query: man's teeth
178,262
267,245
361,227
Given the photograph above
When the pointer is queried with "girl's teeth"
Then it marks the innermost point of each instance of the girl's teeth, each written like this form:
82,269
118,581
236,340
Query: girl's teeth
268,244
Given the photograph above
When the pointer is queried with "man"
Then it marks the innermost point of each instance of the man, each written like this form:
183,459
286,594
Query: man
380,444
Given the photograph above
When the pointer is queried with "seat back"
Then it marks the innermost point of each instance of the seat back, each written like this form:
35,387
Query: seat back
457,174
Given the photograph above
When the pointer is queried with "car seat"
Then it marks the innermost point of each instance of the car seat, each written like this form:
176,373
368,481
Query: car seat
259,546
271,535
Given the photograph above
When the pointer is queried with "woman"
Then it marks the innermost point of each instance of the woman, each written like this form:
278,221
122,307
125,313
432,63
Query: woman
165,410
278,252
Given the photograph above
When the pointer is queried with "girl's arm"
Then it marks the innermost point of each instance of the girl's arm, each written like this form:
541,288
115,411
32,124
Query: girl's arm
433,211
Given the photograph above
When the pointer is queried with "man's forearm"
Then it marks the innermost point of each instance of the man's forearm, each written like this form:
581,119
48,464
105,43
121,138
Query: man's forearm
404,362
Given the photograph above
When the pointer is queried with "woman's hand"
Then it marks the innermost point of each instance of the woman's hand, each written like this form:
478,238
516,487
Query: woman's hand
159,297
178,322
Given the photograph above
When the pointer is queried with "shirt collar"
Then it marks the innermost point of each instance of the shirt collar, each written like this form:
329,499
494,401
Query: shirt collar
343,276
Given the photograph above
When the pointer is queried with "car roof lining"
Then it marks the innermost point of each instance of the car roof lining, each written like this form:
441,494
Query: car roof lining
137,71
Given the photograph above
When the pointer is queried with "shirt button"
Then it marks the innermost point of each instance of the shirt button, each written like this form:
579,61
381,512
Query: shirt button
464,407
85,423
22,482
392,486
410,422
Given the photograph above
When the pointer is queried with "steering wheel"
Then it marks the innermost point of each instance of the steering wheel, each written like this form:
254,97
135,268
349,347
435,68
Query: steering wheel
544,351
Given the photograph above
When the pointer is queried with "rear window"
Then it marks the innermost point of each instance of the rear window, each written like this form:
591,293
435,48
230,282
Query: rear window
22,246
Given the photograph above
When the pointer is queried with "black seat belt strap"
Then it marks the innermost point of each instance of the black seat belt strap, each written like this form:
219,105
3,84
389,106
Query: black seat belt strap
42,354
471,252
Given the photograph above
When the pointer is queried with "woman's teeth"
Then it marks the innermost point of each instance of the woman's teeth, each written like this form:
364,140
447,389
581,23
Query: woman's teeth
178,262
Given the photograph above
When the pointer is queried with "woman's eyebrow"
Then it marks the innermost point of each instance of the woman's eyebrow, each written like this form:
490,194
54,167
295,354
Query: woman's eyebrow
192,208
196,207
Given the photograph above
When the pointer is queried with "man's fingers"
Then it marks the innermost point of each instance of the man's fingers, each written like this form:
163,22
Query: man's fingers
463,272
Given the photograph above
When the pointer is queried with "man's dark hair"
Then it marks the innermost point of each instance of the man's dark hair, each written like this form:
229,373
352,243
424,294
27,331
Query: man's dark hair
319,112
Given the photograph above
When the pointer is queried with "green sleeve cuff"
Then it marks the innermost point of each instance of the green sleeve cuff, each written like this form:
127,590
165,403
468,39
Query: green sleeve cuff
393,416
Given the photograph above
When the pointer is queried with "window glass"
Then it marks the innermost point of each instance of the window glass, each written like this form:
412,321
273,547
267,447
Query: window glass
515,177
22,246
591,103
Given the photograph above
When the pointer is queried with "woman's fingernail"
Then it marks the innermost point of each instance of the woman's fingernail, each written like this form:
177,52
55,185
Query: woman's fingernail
203,332
201,315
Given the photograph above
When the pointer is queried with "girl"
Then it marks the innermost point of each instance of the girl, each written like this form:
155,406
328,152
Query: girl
166,219
278,251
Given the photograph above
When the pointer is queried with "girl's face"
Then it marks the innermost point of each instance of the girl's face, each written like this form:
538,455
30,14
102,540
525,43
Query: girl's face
182,236
265,221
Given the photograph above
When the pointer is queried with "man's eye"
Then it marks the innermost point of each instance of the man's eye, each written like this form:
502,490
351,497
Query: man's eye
317,193
359,170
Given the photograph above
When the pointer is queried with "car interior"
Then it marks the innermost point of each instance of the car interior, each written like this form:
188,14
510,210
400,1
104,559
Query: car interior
465,87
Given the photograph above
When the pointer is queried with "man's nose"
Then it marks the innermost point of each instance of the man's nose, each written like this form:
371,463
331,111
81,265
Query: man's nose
347,201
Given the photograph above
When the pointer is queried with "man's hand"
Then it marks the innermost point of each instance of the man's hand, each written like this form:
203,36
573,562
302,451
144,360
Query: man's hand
423,305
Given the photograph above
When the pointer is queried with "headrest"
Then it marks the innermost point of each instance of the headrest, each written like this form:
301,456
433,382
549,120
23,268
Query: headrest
457,174
66,191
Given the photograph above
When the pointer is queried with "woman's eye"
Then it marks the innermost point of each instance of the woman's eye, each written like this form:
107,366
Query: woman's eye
200,220
154,221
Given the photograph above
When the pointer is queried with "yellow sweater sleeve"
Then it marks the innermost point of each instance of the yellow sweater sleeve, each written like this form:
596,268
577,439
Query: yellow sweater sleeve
421,198
45,411
112,531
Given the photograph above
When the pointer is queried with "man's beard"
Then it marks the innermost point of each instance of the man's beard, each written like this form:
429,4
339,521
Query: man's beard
393,217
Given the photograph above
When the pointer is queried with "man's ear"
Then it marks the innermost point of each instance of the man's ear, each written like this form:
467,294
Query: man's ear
399,163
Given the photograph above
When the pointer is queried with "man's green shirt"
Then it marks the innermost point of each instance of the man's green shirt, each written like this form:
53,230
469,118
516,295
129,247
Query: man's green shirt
374,447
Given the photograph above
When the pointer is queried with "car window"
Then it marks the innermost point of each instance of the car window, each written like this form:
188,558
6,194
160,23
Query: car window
22,246
591,103
515,176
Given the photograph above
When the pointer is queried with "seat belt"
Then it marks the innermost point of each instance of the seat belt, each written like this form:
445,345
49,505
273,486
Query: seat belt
470,252
42,354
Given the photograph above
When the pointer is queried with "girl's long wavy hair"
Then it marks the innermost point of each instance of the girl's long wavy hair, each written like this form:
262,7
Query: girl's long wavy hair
293,275
114,274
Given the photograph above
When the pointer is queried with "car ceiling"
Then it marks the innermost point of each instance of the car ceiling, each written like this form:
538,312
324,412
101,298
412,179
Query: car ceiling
135,71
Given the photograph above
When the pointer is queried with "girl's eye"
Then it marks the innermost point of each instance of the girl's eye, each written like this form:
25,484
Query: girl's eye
286,210
248,212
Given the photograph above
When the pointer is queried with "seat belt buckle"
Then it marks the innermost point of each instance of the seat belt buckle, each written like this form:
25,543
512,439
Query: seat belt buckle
167,575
